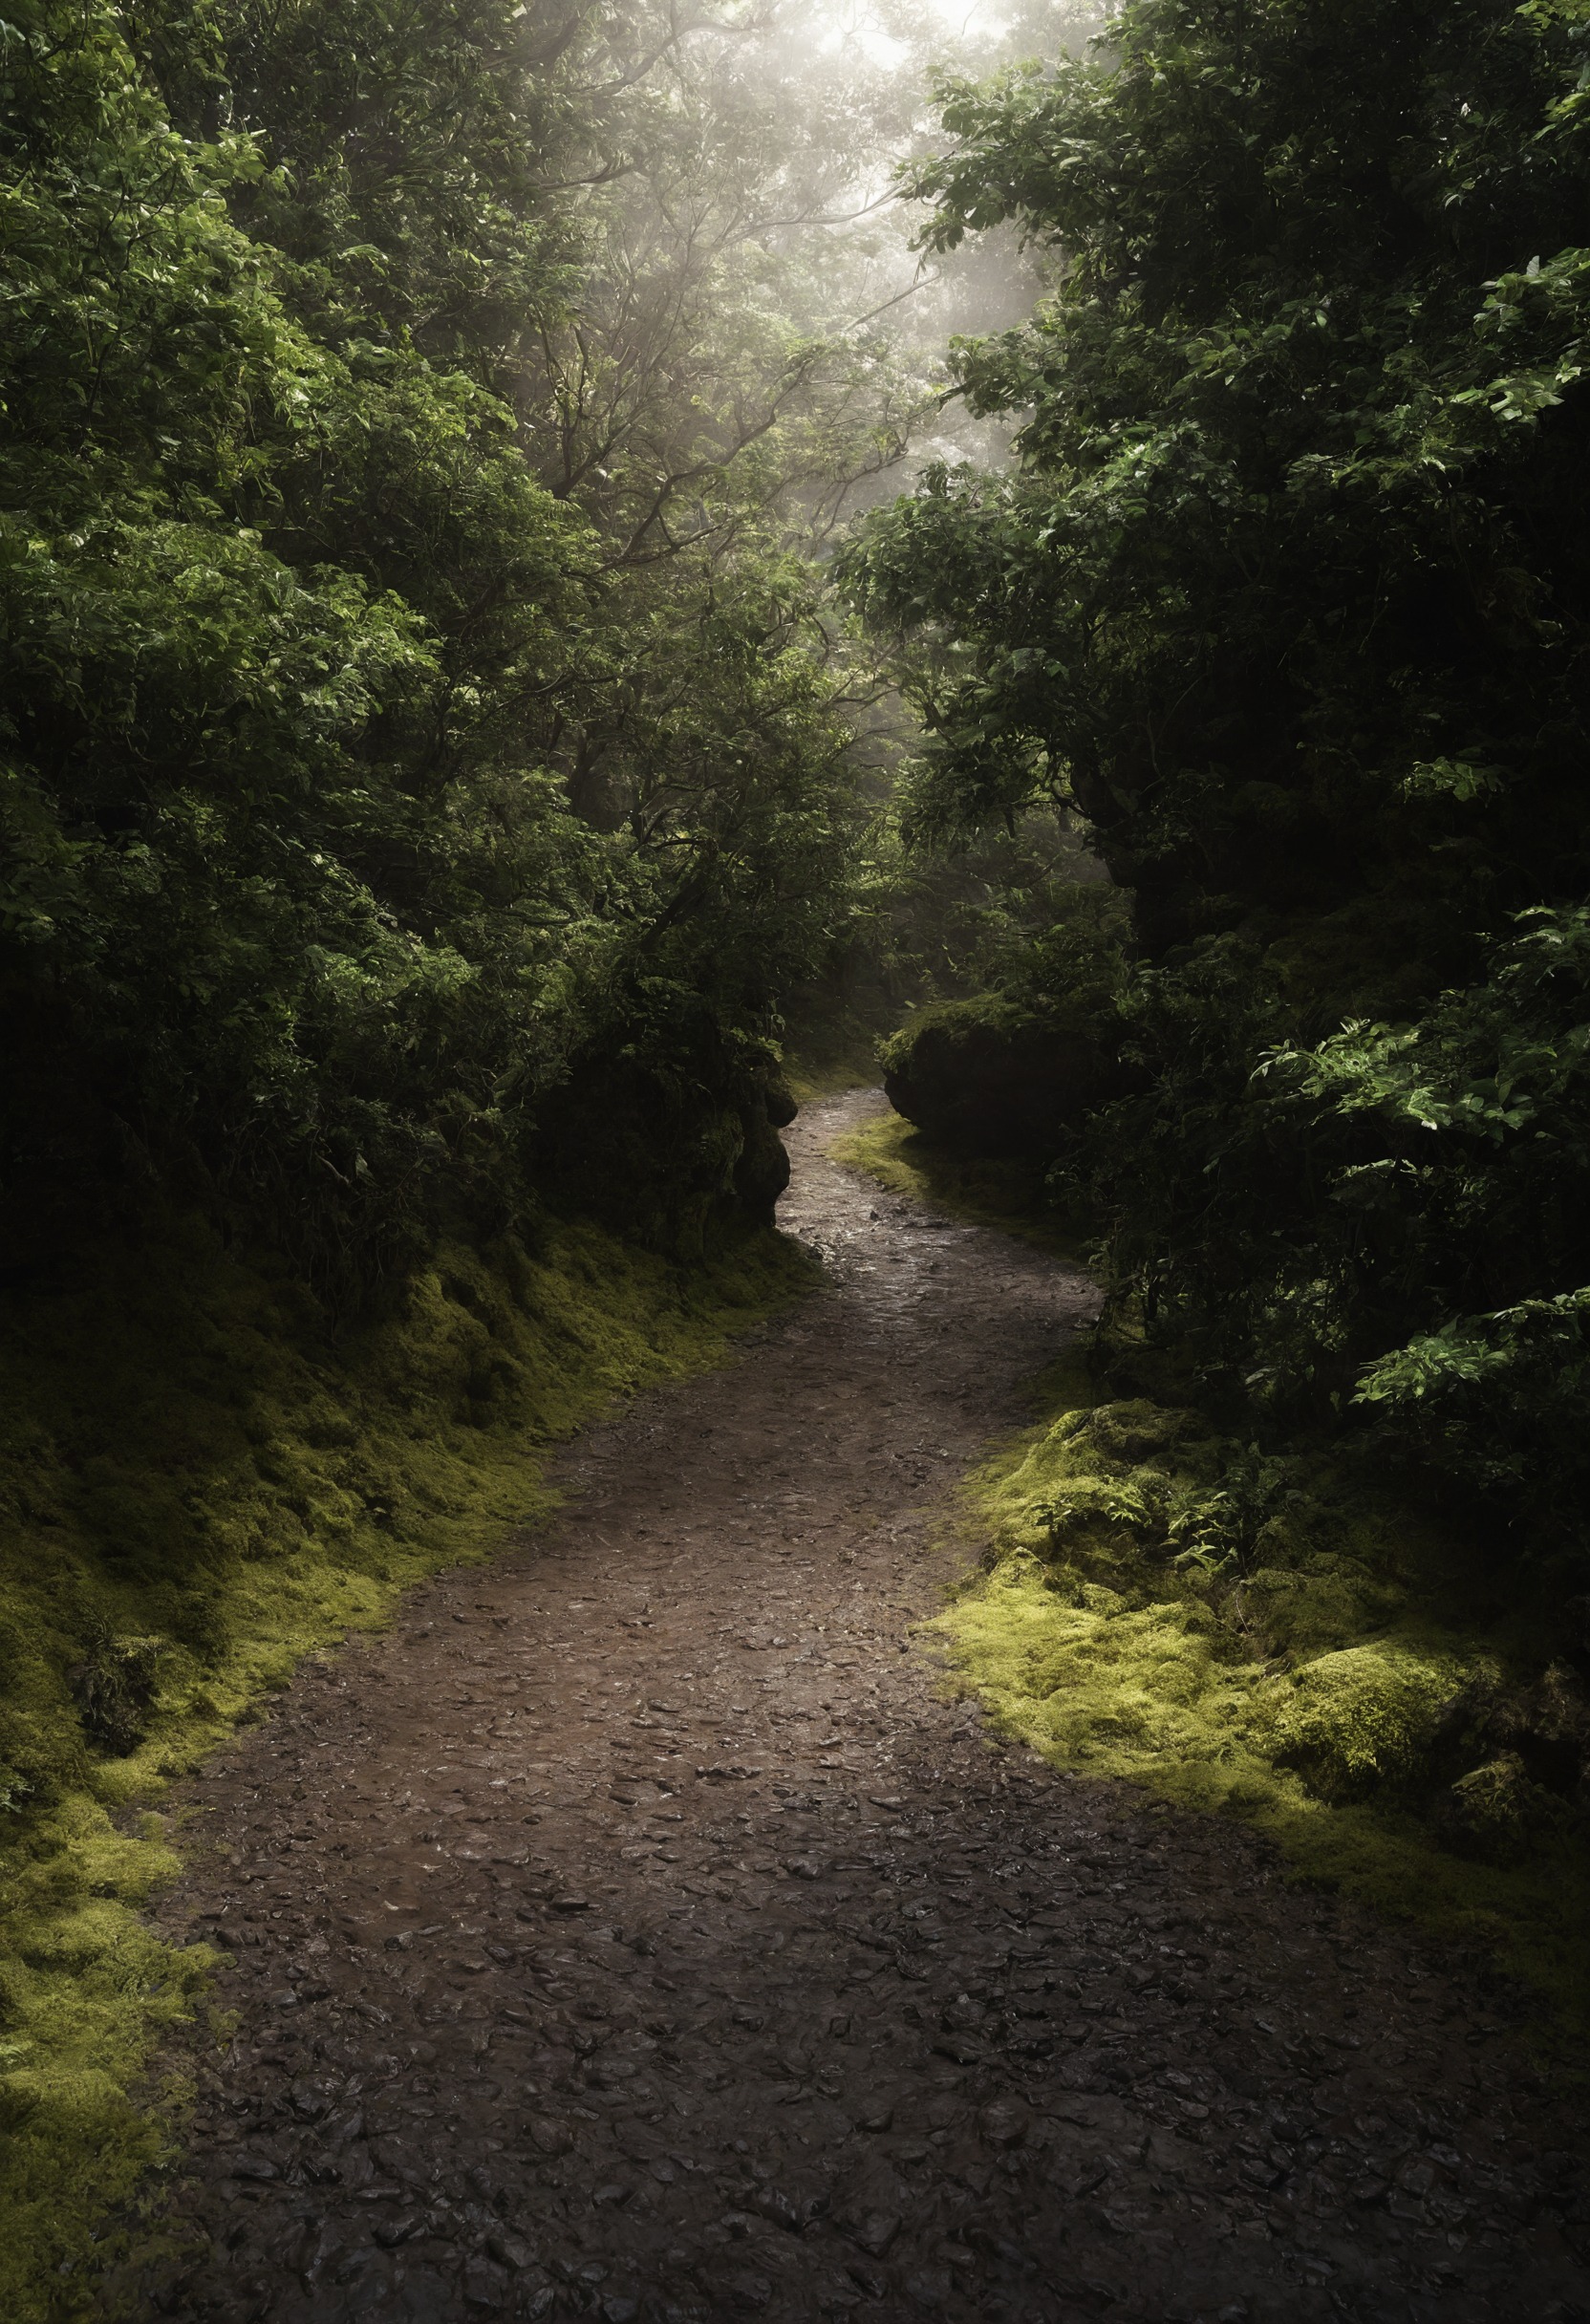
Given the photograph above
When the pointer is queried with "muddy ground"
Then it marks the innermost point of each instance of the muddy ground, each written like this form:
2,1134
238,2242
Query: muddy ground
638,1932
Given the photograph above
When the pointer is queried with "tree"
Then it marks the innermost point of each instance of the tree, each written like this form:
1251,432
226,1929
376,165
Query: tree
1288,595
406,729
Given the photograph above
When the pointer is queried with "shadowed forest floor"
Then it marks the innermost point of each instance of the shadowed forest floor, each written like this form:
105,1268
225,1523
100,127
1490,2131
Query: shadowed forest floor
637,1931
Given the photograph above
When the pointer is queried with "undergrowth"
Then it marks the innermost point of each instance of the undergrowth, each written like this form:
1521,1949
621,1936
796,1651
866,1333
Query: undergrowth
200,1482
1277,1639
1009,1195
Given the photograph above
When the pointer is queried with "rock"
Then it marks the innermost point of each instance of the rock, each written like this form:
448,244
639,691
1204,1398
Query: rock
775,2205
1498,1814
362,2262
990,1076
509,2252
960,2051
761,1171
485,2286
322,2247
549,2135
423,2299
1004,2121
1360,1718
877,2231
399,2231
369,2296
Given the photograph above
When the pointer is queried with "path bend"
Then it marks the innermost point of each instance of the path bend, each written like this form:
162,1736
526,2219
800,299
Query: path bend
636,1933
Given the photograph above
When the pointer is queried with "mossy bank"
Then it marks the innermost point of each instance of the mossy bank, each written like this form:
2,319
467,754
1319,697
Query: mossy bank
201,1480
1275,1635
1279,1638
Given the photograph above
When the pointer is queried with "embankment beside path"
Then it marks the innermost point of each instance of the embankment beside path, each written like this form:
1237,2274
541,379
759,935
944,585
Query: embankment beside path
202,1480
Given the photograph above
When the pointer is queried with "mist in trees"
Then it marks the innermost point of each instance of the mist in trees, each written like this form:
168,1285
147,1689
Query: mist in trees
430,749
1286,596
435,753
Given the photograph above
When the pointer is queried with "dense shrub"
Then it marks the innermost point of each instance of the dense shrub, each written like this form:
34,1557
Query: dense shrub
1287,595
358,789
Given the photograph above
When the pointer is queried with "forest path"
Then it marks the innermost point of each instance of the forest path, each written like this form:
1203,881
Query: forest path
636,1933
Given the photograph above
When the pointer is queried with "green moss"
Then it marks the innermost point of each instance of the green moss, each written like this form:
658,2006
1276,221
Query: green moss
1361,1719
1009,1195
200,1481
983,1012
1270,1641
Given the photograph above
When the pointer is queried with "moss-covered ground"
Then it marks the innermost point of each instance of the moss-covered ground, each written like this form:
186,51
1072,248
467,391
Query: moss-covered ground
201,1480
1280,1640
1009,1195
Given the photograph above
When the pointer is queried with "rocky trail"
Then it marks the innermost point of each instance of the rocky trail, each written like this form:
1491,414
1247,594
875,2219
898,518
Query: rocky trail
636,1932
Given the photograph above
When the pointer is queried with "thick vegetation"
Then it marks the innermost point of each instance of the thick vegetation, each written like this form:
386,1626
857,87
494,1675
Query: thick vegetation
424,764
1284,603
1287,597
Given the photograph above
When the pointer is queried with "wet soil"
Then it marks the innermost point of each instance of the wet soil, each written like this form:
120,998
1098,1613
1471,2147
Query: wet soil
640,1931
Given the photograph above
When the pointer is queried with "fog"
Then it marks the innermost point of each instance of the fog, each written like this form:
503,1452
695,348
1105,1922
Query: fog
762,339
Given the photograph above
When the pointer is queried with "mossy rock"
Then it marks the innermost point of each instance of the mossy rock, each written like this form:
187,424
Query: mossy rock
1134,1433
990,1076
1361,1720
1323,1602
1102,1487
113,1689
1117,1516
1135,1438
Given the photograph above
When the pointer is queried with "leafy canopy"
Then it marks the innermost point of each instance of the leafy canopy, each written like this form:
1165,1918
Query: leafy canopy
1286,597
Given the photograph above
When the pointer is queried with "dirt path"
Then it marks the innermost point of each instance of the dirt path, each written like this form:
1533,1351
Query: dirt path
633,1934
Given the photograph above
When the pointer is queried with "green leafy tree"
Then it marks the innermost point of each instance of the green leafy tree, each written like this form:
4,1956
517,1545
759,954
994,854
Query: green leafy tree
420,735
1287,594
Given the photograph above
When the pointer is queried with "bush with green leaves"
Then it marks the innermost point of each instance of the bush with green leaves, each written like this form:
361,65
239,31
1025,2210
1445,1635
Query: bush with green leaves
1286,594
380,800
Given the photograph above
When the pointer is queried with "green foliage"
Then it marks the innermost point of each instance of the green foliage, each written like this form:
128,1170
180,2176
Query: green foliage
1287,595
360,788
